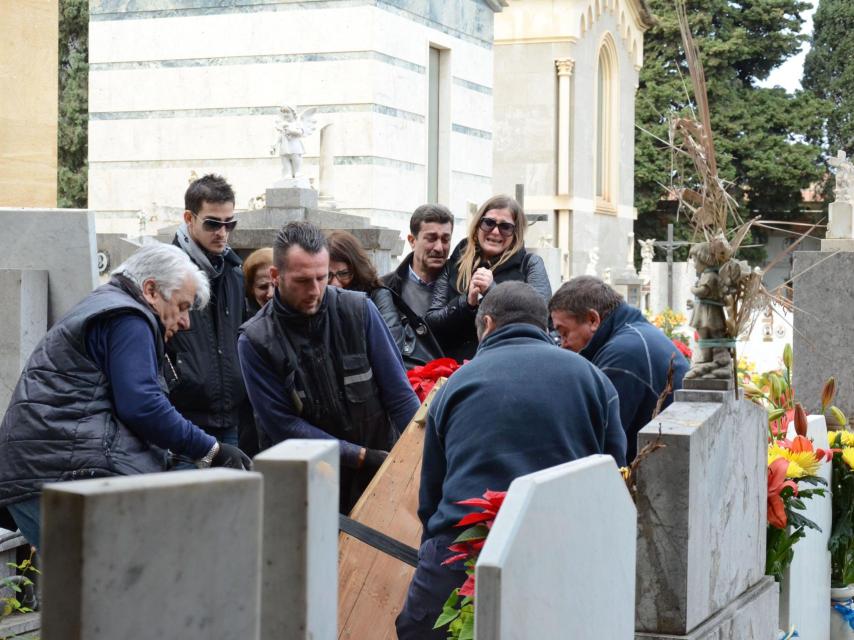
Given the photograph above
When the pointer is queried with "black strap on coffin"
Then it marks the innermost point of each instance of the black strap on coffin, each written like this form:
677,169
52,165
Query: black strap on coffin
378,540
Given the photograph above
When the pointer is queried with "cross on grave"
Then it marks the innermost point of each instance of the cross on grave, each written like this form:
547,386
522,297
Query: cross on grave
669,245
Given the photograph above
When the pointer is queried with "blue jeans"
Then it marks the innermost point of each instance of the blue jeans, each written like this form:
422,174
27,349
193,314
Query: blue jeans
430,587
27,515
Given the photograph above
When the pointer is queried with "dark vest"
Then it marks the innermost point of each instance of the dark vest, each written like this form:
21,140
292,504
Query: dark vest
322,361
60,423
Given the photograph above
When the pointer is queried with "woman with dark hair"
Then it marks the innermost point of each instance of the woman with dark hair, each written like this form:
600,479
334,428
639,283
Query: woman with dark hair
351,268
493,252
259,285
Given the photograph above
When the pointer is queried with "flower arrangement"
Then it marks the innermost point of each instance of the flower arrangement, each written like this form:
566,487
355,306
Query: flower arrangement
458,610
793,464
423,378
841,542
670,321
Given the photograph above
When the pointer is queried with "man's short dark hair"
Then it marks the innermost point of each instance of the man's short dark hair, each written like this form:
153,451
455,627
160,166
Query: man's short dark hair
210,188
585,293
302,234
429,213
513,302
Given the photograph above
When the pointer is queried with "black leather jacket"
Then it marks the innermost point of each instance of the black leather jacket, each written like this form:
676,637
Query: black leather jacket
418,346
209,389
452,319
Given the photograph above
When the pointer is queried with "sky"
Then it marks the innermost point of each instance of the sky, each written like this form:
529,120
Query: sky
788,75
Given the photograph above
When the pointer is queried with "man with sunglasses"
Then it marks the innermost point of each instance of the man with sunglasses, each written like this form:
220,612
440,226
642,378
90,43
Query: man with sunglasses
206,385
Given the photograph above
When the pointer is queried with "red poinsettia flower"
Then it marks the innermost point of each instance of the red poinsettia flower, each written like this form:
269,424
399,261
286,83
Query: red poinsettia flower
468,587
683,348
424,378
776,482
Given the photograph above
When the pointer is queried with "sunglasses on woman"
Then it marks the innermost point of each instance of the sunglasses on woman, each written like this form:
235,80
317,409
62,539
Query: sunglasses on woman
506,229
212,224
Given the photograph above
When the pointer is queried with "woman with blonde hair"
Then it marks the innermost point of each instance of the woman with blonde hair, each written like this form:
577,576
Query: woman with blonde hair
493,252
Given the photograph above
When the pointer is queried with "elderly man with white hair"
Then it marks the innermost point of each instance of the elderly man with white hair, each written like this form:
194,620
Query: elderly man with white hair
91,401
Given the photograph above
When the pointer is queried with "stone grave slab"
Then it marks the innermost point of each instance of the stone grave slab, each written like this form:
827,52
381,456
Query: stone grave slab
300,541
751,615
23,318
805,590
701,512
59,241
559,561
822,298
164,555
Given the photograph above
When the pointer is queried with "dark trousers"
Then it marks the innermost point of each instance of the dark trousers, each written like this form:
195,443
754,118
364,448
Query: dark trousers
430,587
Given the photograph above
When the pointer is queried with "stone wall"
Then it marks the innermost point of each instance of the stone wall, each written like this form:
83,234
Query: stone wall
176,89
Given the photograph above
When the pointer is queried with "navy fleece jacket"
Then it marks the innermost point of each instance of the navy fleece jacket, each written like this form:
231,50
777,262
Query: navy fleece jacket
123,348
521,405
635,355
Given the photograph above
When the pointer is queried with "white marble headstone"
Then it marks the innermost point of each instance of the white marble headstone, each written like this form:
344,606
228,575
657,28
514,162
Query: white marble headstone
299,598
559,561
805,590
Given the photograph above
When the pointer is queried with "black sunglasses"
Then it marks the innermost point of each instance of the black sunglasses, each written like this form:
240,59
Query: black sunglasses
506,229
212,224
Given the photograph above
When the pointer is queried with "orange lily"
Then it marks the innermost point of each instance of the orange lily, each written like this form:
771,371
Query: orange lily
776,483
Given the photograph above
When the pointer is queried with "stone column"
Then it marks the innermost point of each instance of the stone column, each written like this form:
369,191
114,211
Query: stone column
564,68
300,547
701,504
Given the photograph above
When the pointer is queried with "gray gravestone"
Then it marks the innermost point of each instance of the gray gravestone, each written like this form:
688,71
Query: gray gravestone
559,561
300,541
701,522
23,318
59,241
823,299
164,555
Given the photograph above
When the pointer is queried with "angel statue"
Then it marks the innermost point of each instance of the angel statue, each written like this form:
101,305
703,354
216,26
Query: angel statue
291,127
844,191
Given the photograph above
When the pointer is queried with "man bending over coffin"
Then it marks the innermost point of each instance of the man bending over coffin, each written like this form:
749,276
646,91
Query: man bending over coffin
92,402
521,405
319,362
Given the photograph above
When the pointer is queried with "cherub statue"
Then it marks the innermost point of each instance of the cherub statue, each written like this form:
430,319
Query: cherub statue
711,293
647,251
290,129
844,191
592,262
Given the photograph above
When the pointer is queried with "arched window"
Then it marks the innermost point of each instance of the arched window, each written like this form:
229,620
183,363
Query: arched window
607,134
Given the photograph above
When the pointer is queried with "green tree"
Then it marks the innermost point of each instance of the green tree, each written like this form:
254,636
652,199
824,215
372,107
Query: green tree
829,70
73,102
760,134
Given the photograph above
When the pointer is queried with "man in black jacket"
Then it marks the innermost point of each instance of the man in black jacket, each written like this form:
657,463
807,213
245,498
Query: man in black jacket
430,229
206,385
